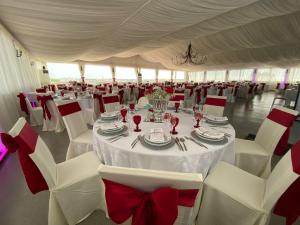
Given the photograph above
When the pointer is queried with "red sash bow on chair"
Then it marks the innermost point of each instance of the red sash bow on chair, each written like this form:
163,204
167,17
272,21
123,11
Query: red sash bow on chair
215,101
121,96
288,204
284,119
157,208
23,105
221,91
69,108
198,96
41,90
44,100
101,106
25,143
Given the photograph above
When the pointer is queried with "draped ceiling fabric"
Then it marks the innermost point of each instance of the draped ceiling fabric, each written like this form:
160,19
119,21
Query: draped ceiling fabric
232,33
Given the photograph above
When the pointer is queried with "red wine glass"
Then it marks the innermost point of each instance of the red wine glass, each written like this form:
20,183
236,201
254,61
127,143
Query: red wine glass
177,104
174,121
132,106
198,116
137,120
123,114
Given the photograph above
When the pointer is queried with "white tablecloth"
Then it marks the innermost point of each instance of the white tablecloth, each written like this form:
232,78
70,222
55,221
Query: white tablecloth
196,160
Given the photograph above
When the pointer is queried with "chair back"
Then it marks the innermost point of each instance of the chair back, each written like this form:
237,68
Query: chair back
282,178
214,105
273,127
73,119
33,146
143,101
150,180
111,103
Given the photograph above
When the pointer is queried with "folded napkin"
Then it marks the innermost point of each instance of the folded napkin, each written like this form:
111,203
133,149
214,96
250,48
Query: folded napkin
111,126
209,133
157,135
109,114
217,118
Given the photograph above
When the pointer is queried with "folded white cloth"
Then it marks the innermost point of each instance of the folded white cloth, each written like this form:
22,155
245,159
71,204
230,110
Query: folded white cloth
111,126
157,135
207,132
216,118
108,114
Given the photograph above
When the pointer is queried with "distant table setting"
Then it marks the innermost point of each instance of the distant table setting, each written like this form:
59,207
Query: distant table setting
182,141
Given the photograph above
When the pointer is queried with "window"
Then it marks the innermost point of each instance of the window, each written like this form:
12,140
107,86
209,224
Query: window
240,75
294,75
196,76
270,75
125,74
164,75
218,76
148,75
179,76
63,72
96,73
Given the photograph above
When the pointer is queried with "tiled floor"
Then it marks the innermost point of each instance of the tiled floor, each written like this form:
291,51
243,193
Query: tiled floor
19,207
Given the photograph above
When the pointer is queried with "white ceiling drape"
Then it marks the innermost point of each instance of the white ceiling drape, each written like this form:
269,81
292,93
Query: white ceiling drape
232,33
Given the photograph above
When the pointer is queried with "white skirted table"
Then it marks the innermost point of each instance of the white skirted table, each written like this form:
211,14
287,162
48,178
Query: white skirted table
196,160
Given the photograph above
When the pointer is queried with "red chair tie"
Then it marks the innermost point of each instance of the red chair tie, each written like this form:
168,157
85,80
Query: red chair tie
23,104
198,95
157,208
25,143
121,96
69,108
288,204
215,101
43,100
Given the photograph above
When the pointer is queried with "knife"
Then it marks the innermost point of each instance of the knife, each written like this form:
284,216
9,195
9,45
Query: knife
178,143
197,142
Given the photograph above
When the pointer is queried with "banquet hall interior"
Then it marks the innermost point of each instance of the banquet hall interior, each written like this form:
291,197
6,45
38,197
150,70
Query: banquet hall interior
150,112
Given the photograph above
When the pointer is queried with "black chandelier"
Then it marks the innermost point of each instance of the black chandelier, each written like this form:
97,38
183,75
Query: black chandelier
190,57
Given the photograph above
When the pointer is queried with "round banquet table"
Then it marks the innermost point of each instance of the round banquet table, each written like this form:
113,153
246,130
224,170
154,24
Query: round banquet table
196,160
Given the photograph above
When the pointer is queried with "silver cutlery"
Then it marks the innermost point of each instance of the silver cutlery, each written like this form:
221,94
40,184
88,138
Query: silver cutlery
183,140
117,136
135,141
197,142
178,143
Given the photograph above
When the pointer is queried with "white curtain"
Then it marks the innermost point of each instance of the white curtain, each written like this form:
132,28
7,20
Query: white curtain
294,75
218,76
16,75
196,76
240,75
270,75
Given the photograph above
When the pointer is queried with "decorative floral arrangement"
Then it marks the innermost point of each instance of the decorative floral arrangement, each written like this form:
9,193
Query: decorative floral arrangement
158,94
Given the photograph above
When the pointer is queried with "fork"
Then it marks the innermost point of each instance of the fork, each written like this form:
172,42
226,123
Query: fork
197,142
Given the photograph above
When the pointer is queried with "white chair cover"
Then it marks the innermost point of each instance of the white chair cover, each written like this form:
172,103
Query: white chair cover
81,139
149,180
35,114
143,101
214,105
255,156
74,185
232,196
111,103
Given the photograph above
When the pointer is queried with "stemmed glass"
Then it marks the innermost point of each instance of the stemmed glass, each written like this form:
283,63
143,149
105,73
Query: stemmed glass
132,107
177,104
174,121
166,119
198,116
123,114
137,120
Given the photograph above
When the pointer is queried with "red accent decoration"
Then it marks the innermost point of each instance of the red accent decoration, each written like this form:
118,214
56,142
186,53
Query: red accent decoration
284,119
215,101
69,108
205,90
44,100
121,96
191,89
198,96
288,204
23,105
41,90
26,142
177,98
169,90
110,99
101,106
157,208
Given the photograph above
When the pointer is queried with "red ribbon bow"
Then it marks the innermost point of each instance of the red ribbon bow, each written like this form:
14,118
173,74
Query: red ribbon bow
25,143
43,100
23,105
121,96
157,208
198,95
101,106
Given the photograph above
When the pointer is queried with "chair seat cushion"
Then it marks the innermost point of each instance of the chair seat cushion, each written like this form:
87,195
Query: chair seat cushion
242,146
237,184
86,137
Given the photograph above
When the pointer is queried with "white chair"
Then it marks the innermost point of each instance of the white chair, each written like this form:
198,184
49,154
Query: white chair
150,180
214,105
111,103
74,185
232,196
35,114
143,101
55,122
212,90
255,156
81,138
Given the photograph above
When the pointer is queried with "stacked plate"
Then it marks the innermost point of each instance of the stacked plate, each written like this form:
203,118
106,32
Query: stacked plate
111,128
109,115
216,119
208,134
156,137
